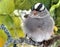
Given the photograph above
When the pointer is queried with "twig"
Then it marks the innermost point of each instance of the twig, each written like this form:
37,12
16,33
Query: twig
51,41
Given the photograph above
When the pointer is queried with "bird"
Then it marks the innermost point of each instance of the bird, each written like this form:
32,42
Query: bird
38,24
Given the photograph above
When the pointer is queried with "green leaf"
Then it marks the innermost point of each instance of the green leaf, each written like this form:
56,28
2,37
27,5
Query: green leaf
17,31
58,16
6,6
8,22
27,4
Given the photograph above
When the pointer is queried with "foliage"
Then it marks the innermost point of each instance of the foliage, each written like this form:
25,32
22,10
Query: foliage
27,4
6,6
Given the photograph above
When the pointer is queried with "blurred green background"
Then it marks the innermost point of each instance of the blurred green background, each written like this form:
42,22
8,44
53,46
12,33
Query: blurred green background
12,22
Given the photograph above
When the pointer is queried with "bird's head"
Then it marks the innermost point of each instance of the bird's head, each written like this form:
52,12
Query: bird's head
38,10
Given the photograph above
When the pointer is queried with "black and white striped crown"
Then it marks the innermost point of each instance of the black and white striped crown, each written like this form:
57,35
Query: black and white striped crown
38,7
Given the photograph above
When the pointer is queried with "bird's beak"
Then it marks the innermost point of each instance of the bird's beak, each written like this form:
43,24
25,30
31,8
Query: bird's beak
34,12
